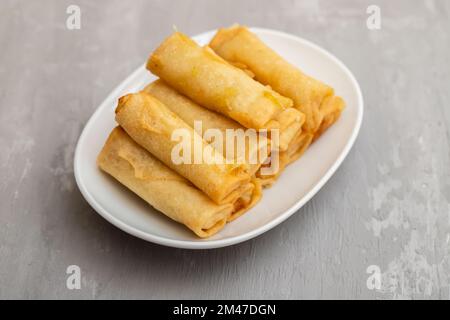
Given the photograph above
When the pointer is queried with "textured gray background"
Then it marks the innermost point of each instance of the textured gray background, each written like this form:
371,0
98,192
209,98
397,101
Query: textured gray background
388,205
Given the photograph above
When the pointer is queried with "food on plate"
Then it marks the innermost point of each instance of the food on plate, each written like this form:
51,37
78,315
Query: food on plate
331,108
203,76
240,46
222,122
161,187
152,125
253,154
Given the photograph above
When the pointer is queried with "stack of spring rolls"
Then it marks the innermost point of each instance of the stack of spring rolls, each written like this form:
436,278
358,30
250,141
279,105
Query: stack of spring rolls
236,83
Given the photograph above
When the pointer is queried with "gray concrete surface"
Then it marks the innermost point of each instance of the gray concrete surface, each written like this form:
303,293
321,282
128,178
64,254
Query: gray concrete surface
388,206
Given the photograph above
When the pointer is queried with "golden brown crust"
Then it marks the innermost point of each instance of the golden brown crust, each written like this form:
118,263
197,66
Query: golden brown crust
190,112
247,201
331,109
238,45
251,86
266,180
161,187
151,124
299,146
210,81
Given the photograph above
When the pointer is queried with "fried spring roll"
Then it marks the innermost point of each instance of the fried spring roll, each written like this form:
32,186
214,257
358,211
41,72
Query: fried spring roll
212,82
241,47
331,109
253,153
299,146
247,200
302,141
266,180
161,187
151,124
295,150
189,111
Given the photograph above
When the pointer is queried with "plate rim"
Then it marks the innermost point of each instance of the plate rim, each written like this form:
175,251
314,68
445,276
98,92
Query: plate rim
211,244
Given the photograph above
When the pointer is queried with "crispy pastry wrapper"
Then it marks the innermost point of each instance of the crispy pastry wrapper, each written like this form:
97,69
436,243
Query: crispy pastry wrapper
254,152
243,48
210,81
151,124
247,200
299,146
331,109
295,150
161,187
267,180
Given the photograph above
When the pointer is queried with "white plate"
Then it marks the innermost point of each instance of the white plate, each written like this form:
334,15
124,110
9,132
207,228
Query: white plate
295,187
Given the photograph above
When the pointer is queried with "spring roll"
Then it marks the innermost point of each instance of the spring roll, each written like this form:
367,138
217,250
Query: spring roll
252,154
190,112
161,187
247,200
295,151
331,109
210,81
240,46
267,180
151,124
299,146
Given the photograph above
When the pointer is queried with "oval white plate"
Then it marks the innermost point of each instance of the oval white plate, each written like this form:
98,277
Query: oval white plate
299,183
